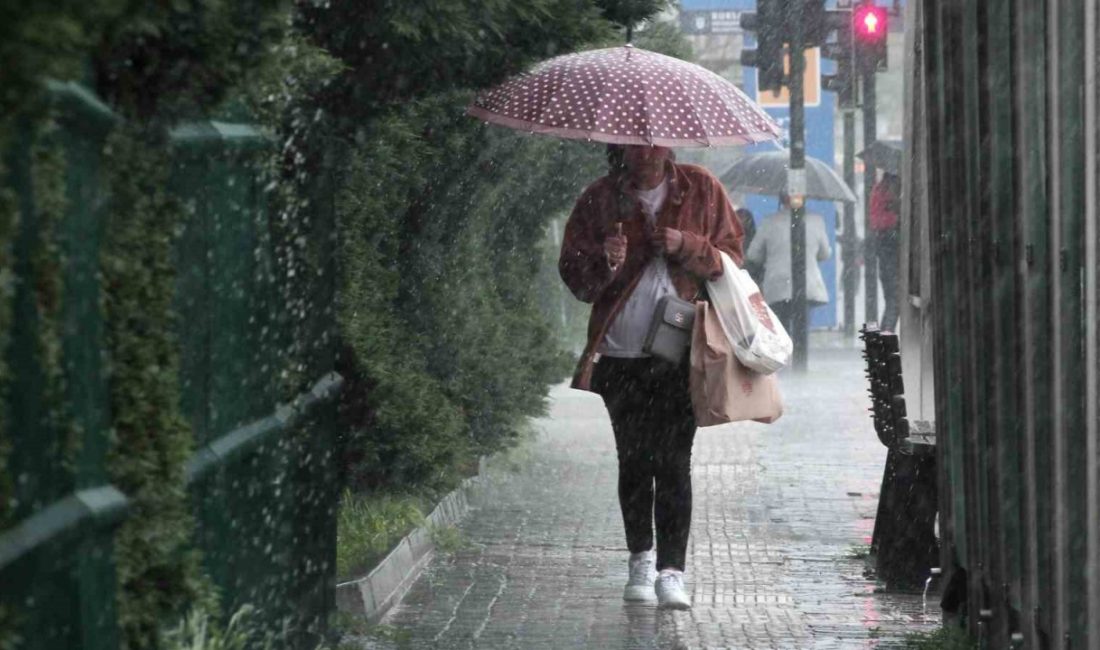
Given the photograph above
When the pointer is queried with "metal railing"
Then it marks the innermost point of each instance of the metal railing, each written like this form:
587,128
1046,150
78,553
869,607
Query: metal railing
263,479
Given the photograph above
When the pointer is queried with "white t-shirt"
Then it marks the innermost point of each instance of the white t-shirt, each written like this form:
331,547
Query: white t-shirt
626,335
652,200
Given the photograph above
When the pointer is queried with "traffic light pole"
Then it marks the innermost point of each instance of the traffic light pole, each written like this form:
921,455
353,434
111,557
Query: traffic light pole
870,257
796,188
850,275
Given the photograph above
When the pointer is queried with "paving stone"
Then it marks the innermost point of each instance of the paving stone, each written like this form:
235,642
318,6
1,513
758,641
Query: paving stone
778,510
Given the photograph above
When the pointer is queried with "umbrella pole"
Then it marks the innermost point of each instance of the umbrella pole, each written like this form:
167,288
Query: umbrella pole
796,189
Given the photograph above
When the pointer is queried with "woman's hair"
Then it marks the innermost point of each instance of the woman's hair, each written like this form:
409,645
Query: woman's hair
615,155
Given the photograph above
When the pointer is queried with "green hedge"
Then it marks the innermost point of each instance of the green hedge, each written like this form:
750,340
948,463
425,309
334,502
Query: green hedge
439,272
398,51
158,573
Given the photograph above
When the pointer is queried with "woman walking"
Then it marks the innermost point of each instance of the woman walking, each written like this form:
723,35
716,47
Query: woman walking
648,229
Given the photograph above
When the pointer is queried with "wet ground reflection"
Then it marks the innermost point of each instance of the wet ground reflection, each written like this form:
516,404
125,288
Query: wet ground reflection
782,514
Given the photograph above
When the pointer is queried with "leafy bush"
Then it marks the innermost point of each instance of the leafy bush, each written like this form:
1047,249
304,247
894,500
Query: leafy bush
369,526
46,39
169,60
245,630
628,13
441,222
152,60
397,50
449,539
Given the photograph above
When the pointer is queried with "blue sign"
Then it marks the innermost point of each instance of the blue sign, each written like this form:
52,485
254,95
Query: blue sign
820,145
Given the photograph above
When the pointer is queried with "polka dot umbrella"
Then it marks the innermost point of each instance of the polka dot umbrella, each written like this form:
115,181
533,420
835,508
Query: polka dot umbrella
626,95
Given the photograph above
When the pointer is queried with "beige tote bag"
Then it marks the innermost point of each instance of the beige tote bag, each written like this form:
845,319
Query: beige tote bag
722,389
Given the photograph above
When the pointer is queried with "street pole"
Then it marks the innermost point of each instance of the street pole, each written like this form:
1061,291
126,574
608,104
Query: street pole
850,275
796,188
870,134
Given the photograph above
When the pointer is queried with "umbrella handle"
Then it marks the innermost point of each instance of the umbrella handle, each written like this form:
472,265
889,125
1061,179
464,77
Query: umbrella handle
618,233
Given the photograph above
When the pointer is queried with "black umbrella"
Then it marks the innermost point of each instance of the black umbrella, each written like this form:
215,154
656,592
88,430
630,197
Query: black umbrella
766,173
884,154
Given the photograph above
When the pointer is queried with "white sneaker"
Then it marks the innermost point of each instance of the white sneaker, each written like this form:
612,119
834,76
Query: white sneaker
642,573
670,590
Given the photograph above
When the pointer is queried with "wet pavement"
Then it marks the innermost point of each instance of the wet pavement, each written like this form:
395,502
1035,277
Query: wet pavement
782,513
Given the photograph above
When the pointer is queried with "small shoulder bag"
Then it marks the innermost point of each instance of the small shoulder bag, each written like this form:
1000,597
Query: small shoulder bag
669,335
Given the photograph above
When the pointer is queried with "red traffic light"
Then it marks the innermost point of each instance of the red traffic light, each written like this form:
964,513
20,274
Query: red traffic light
869,23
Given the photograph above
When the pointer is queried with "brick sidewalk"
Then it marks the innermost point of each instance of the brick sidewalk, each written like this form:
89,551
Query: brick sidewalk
779,511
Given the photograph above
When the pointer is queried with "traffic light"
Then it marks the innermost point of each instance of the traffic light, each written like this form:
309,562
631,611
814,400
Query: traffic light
769,23
820,23
870,25
843,82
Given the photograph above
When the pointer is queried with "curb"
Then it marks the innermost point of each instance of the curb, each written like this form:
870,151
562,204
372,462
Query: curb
376,593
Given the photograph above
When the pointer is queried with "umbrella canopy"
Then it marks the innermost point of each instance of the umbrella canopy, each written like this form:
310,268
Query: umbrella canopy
766,173
626,95
884,154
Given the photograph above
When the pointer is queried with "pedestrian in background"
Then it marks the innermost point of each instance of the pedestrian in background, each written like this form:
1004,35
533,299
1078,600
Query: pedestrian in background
648,229
886,235
771,249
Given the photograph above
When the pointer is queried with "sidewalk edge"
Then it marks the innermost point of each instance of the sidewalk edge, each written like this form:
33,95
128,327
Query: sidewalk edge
374,594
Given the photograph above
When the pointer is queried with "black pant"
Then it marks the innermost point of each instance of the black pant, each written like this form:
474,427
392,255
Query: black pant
650,408
886,257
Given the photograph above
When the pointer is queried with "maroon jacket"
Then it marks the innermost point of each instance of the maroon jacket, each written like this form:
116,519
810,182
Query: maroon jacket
697,206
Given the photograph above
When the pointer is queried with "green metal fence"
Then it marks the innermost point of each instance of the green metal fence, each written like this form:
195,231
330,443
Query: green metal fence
262,480
1009,146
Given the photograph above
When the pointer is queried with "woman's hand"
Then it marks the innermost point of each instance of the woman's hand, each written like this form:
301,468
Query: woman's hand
614,247
667,241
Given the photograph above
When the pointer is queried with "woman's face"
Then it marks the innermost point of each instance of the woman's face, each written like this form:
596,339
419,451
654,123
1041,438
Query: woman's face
643,158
